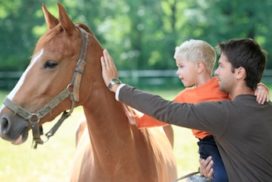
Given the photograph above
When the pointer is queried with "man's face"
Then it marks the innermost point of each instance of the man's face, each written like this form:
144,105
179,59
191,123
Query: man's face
225,74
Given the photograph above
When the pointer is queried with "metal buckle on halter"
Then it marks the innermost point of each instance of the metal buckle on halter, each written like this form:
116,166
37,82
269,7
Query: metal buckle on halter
34,118
70,87
36,130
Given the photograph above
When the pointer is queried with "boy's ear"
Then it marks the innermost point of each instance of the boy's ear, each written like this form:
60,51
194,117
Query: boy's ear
201,66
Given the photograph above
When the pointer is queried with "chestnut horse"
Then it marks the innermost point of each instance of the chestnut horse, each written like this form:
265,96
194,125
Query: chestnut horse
65,72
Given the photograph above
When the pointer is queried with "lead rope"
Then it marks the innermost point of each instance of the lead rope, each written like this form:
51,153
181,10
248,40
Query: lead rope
64,115
198,178
186,176
36,129
52,131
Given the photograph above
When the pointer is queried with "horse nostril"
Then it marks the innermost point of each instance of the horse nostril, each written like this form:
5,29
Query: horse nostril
4,125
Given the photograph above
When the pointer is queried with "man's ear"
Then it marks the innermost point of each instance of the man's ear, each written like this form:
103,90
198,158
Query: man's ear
240,73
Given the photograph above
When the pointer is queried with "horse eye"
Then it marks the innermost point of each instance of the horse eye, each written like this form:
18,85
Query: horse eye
50,64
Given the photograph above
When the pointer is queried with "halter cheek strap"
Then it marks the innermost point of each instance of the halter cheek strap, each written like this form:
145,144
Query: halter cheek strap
71,92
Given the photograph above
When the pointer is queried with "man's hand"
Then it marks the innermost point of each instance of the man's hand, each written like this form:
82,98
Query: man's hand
206,167
109,70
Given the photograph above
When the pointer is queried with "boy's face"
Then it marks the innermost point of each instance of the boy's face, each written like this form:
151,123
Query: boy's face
225,74
187,72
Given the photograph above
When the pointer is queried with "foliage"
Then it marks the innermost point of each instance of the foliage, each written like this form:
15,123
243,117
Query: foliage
140,34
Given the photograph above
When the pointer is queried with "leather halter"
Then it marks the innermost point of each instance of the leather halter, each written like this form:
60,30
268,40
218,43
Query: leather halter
71,92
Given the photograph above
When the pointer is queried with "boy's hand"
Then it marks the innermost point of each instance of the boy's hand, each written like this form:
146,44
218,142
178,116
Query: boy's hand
262,93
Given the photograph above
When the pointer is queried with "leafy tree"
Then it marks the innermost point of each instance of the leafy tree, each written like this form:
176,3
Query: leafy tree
140,34
17,38
219,20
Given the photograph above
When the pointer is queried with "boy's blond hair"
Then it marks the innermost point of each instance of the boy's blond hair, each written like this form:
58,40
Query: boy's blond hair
197,50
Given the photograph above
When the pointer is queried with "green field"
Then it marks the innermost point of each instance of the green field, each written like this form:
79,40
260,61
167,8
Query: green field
52,161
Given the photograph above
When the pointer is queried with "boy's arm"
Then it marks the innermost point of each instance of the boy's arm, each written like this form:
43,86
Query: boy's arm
147,121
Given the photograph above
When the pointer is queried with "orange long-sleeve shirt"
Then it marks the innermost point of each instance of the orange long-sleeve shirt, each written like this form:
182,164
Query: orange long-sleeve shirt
207,92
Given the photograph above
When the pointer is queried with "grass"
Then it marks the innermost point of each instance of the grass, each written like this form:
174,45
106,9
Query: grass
52,161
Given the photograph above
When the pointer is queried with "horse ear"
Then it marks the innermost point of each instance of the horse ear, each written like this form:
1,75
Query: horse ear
50,20
65,21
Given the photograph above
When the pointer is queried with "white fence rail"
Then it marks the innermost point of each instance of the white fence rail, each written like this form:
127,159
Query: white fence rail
144,77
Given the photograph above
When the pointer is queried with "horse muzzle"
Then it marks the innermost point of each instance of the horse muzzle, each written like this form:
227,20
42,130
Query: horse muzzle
13,128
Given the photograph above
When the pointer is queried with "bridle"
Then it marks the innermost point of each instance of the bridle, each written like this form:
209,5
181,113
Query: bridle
71,92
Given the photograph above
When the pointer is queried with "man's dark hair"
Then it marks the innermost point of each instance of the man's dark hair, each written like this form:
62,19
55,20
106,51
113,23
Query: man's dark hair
248,54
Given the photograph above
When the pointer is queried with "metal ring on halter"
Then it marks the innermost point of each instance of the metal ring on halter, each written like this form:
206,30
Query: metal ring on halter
70,87
34,118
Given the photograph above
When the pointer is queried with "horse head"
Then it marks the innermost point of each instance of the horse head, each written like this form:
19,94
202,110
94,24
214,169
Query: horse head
53,81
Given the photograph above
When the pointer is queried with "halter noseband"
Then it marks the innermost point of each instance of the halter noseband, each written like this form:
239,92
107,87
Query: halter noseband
71,91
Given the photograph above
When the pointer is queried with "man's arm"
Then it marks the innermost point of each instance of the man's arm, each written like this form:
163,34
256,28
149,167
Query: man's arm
209,117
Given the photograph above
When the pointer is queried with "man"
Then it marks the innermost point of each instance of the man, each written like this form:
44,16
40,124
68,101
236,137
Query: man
241,127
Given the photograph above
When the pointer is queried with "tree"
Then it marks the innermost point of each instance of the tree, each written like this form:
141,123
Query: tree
17,38
140,34
218,20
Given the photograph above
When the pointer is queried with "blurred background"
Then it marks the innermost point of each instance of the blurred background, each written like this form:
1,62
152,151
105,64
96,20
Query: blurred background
141,35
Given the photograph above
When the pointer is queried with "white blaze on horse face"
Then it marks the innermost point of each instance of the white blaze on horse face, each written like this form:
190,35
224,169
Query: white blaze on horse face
35,59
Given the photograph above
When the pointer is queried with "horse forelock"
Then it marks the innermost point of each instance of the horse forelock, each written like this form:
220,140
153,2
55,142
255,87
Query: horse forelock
55,41
48,36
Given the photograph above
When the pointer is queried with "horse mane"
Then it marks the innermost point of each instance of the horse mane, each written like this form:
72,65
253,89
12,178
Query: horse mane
85,27
131,114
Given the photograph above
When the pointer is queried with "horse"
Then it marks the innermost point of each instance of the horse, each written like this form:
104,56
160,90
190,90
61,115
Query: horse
65,72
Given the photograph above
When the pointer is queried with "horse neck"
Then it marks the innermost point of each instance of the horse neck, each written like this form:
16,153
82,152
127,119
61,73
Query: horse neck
106,119
108,126
104,114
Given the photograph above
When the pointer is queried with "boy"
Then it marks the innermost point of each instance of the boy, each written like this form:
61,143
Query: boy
195,60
